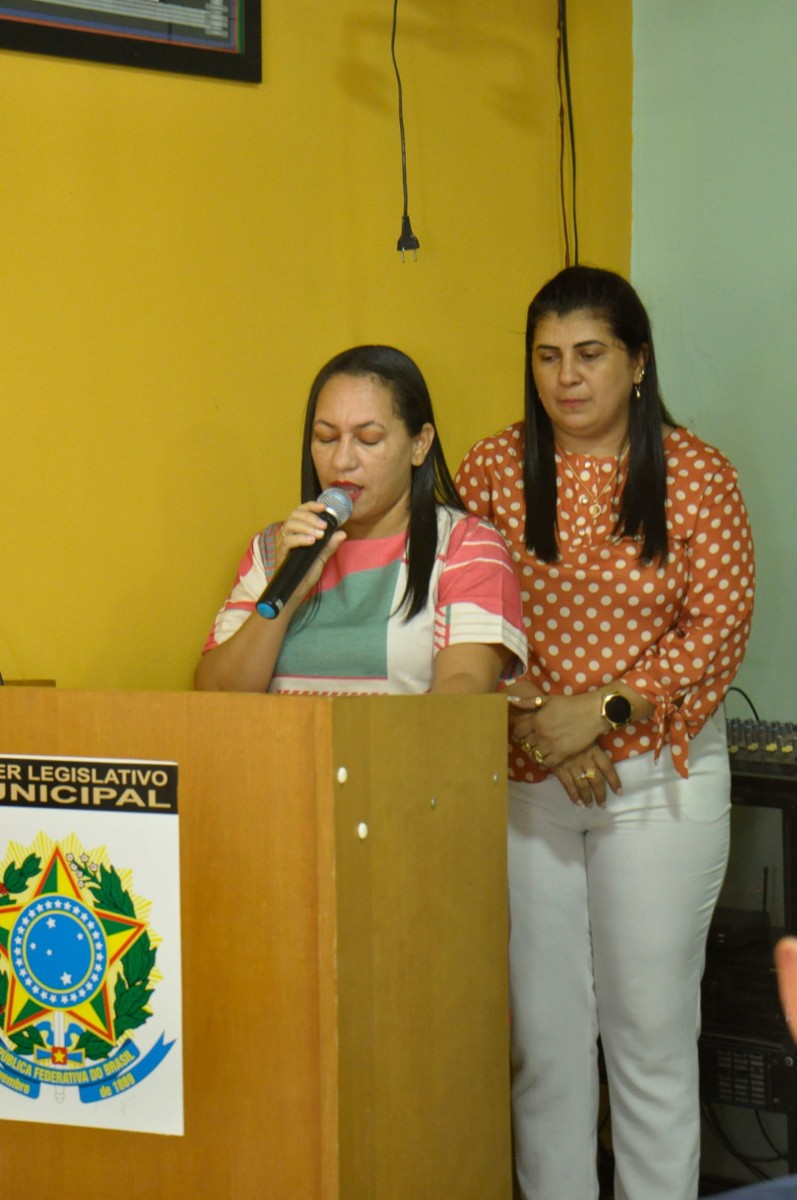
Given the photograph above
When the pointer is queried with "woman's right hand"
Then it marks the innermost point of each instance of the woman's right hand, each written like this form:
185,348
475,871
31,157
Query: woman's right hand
245,662
303,528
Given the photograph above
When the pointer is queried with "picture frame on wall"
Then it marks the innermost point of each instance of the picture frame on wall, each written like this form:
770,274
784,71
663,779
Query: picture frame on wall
218,38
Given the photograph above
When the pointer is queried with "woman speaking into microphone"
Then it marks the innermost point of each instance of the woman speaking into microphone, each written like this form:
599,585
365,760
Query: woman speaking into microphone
409,595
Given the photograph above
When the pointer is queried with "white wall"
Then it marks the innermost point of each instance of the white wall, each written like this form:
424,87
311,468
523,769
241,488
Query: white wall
714,256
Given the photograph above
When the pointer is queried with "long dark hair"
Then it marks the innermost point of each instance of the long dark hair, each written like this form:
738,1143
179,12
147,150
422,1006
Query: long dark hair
642,512
431,483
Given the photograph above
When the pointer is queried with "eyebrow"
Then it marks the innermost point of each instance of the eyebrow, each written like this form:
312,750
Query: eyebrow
576,345
362,424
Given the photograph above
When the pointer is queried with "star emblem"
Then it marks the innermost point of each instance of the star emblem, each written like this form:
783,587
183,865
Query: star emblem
60,951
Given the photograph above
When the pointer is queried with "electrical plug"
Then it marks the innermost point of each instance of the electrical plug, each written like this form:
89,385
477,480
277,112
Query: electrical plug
407,239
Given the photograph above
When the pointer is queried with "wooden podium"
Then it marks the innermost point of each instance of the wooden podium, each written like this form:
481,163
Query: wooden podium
344,936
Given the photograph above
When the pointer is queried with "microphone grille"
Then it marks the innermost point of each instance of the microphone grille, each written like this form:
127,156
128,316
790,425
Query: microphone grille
338,502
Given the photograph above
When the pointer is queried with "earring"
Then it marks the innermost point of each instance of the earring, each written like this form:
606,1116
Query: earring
638,383
637,392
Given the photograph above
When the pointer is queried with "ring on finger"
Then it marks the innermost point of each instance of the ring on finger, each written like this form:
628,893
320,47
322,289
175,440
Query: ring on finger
589,773
533,751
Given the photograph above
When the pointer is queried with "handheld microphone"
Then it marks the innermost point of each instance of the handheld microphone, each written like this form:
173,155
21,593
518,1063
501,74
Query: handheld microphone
337,510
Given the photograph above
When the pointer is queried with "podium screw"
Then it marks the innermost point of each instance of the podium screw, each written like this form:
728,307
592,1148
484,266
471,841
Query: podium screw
342,775
362,831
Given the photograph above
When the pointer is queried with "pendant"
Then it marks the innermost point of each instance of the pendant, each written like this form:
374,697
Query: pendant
595,509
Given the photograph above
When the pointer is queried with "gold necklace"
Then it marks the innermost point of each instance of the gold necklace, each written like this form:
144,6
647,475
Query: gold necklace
587,494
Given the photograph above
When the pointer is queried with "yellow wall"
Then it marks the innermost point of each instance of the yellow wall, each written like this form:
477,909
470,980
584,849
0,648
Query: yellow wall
180,255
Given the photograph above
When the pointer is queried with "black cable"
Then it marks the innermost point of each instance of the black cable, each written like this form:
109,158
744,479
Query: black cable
779,1155
562,200
746,697
566,108
407,239
715,1126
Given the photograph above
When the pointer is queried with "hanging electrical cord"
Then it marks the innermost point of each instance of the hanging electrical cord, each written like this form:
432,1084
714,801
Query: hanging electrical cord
407,239
566,112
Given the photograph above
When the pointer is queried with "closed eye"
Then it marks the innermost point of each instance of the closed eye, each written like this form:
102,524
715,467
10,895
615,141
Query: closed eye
363,439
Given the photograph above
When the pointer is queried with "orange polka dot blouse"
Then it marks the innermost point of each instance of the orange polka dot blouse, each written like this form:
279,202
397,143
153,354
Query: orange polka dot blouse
674,633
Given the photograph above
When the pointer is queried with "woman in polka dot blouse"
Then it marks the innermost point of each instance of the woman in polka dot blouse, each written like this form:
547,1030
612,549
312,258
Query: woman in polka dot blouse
633,548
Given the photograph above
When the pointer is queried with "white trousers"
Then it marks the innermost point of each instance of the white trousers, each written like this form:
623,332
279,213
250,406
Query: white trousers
610,913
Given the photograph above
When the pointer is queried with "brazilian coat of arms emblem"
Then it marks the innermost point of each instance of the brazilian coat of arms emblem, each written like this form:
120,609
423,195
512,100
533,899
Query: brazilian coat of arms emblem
78,973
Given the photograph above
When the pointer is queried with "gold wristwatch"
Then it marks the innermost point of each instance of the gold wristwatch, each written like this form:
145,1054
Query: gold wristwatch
616,709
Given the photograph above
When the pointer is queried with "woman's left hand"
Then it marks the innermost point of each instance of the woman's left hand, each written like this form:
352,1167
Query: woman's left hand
586,776
556,727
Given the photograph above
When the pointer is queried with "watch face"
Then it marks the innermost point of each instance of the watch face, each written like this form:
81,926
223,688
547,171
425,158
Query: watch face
617,709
